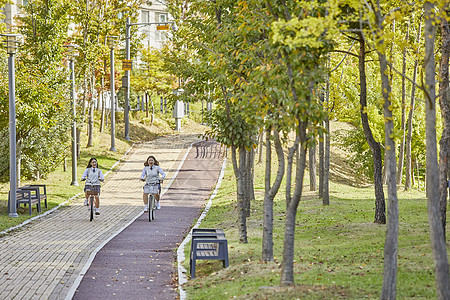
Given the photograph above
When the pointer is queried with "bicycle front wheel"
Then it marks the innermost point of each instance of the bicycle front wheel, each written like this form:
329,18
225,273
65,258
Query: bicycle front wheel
91,200
154,209
150,207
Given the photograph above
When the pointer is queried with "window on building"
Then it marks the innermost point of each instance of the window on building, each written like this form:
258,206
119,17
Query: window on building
161,36
145,16
162,17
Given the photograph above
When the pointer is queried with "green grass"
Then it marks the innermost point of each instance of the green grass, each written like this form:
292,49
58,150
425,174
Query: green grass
338,248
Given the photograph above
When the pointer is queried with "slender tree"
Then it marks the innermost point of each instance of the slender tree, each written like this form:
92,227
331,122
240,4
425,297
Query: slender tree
388,290
401,154
438,245
380,206
408,157
444,102
270,191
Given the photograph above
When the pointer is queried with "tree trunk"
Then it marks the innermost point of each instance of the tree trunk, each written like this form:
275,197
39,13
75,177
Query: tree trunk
240,192
103,101
270,192
146,104
432,172
380,205
389,287
445,116
242,209
321,158
327,148
261,145
90,142
326,163
153,110
312,168
290,161
287,268
418,172
409,168
250,176
78,143
402,145
246,182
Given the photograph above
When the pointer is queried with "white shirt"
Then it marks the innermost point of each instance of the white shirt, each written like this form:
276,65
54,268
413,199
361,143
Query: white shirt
93,176
151,174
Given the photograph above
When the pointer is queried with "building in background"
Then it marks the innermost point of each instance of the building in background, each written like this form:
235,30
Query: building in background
151,11
11,10
154,11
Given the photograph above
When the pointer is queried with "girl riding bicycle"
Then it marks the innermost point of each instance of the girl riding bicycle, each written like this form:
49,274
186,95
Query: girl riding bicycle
153,176
93,176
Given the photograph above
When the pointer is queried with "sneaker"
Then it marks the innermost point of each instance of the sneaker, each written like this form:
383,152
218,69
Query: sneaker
158,206
97,212
86,203
146,209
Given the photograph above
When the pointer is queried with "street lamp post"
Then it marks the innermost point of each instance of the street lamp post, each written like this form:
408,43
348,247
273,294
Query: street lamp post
72,53
127,73
11,47
127,89
111,40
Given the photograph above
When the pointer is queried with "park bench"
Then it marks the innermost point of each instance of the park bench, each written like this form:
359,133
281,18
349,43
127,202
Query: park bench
208,244
31,195
26,197
41,194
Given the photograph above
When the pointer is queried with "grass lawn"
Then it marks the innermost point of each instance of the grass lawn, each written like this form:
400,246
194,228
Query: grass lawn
338,248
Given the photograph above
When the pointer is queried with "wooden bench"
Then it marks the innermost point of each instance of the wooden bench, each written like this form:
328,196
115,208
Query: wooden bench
27,197
208,244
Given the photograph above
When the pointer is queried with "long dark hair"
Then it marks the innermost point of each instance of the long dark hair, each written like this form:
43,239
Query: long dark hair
89,163
151,156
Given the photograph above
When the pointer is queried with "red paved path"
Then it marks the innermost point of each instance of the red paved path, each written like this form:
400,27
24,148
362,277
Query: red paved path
139,263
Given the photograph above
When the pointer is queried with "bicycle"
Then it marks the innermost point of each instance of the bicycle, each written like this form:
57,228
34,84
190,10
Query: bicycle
152,203
151,207
92,195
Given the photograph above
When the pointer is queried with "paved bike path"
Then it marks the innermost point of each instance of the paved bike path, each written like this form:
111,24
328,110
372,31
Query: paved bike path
43,259
139,263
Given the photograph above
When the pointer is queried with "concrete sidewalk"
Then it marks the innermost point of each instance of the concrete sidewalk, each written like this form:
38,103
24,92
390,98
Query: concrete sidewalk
43,259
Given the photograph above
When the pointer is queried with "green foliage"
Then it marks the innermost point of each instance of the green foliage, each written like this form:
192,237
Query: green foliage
150,76
42,119
359,155
230,131
42,104
345,90
44,27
